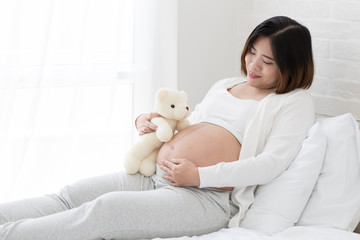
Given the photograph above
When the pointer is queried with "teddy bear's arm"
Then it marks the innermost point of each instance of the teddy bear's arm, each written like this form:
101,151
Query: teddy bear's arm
164,131
182,124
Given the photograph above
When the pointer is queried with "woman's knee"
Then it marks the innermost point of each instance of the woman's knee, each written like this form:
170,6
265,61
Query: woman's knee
109,207
86,190
64,196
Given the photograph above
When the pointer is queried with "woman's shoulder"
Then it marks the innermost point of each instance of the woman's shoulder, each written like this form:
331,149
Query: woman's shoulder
297,94
297,99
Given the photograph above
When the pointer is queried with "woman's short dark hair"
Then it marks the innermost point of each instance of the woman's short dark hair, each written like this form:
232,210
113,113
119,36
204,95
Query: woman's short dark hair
291,46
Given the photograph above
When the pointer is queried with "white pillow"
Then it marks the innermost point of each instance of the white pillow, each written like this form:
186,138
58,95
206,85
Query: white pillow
335,201
279,203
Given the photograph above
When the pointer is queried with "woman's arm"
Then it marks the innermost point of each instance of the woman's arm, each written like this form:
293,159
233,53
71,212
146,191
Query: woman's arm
143,123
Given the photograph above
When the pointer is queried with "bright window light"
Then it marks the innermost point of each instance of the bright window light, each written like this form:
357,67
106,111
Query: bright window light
65,92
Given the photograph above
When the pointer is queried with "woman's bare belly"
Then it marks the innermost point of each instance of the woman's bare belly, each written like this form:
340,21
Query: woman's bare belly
204,144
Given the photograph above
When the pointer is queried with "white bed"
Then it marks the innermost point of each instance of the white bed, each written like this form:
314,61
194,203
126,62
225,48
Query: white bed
317,197
292,233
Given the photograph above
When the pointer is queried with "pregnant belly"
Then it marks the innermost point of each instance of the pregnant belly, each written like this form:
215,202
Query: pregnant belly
204,144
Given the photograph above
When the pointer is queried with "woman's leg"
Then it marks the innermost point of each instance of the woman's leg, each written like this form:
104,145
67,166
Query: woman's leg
164,212
73,196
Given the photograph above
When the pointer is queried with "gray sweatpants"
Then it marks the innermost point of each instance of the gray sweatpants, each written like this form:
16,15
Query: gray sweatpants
117,206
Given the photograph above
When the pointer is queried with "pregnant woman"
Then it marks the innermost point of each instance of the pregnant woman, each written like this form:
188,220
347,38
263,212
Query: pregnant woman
245,132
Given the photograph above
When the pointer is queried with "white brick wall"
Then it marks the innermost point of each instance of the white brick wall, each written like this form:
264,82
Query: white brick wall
335,29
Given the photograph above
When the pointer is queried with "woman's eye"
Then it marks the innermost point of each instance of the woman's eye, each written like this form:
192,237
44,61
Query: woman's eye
268,63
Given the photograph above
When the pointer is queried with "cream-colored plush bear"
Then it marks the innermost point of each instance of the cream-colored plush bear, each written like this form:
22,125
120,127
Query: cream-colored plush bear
172,105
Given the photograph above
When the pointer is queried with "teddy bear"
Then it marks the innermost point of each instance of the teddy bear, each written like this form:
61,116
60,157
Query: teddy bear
171,104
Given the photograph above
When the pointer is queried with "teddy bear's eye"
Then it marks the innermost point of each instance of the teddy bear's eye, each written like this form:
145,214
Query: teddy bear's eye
172,106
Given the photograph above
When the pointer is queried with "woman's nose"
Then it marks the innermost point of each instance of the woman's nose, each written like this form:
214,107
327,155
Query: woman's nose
256,63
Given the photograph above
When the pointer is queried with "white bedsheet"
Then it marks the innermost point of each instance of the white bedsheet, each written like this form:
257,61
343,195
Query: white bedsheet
293,233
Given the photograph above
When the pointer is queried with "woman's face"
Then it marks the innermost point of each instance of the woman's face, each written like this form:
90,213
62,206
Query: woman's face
262,71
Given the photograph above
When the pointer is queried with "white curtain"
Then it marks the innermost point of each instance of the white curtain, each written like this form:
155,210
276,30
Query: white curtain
71,78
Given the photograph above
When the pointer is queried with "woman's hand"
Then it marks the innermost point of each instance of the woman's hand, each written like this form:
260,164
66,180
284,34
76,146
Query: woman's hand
143,123
181,172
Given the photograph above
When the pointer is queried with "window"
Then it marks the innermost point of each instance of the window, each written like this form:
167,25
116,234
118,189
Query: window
65,93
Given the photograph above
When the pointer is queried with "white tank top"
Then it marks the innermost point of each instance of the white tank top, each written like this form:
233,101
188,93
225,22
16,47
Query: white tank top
229,112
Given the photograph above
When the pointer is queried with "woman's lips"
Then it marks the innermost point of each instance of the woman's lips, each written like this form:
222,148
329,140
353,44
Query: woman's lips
253,75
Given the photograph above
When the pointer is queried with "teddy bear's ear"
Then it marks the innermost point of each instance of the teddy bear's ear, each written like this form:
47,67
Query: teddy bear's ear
184,94
161,93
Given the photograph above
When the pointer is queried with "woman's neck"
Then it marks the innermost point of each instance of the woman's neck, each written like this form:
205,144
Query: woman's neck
245,91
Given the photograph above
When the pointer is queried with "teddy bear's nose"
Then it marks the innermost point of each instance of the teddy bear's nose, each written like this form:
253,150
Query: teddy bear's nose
187,108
